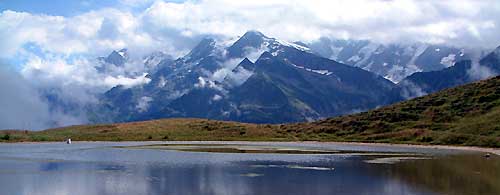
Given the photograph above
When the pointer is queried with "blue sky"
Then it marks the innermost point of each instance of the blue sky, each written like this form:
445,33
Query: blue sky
55,7
71,7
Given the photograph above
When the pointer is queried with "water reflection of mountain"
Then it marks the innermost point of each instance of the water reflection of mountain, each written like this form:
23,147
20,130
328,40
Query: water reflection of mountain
348,177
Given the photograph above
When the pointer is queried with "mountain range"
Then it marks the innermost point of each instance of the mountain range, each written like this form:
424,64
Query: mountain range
460,73
285,82
260,79
393,61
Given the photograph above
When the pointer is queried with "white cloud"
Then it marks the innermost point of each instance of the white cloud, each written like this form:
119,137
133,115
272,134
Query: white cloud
254,53
24,108
226,68
240,75
201,82
19,100
448,60
135,3
169,26
127,82
411,90
92,34
143,103
216,97
207,83
76,80
456,22
479,72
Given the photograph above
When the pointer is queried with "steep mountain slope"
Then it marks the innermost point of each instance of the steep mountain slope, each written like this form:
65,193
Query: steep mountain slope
461,73
392,61
465,115
308,87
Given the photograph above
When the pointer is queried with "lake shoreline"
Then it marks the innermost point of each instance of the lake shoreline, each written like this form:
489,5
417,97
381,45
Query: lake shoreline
495,151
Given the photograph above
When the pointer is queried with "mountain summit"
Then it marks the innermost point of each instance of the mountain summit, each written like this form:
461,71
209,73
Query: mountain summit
117,58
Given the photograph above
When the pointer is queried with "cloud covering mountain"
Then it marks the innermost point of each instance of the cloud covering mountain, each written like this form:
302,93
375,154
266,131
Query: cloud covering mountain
57,54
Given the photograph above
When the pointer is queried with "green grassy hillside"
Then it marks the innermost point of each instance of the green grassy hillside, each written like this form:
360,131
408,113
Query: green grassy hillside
466,115
165,129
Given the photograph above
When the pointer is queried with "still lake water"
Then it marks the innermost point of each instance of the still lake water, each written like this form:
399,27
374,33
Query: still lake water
305,168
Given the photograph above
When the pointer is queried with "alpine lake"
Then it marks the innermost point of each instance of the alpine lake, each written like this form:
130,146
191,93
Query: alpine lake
243,168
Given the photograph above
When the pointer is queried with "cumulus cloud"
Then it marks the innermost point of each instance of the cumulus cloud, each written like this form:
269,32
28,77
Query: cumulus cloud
455,22
91,34
126,82
172,26
175,27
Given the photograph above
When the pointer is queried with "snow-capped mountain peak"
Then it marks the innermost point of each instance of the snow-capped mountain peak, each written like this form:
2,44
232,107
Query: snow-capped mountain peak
254,34
152,62
254,43
294,45
497,50
114,61
123,53
392,61
117,58
205,48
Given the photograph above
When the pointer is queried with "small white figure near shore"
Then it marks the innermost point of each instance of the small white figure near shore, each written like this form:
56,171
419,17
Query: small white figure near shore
68,141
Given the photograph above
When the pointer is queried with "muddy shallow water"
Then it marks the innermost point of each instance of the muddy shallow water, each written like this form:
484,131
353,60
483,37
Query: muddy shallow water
242,168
